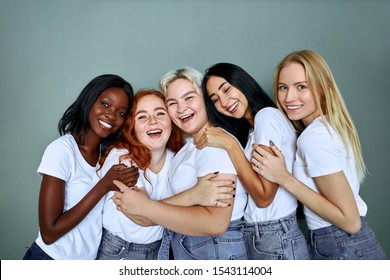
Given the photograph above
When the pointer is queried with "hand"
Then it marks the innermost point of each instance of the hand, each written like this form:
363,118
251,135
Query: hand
271,167
214,137
127,175
210,192
130,201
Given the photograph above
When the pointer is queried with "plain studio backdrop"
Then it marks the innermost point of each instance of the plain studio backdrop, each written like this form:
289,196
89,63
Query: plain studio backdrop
49,50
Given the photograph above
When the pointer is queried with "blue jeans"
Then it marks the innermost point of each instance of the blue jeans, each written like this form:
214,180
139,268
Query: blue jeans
276,240
36,253
229,246
332,243
115,248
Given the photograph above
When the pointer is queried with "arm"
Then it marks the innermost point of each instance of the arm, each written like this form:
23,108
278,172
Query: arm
204,220
260,189
53,222
207,192
335,203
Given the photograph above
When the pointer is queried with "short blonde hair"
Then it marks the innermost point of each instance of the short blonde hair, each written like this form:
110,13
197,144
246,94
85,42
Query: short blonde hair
187,73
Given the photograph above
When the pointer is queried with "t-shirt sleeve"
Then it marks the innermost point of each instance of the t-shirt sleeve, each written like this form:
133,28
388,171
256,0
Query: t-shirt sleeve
58,161
212,159
268,126
321,153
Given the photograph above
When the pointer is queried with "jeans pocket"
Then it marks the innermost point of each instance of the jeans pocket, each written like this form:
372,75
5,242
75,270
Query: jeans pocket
326,249
200,247
109,250
268,246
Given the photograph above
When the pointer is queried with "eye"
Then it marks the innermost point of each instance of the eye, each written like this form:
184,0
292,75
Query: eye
161,113
168,104
141,117
282,88
122,114
226,89
189,97
214,100
105,104
301,87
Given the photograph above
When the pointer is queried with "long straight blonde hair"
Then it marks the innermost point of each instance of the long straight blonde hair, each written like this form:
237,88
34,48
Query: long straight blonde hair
328,99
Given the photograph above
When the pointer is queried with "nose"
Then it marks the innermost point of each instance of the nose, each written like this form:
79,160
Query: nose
110,114
181,107
224,101
290,95
152,120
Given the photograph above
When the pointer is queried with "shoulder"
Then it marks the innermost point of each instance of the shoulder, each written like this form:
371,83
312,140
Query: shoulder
62,144
318,134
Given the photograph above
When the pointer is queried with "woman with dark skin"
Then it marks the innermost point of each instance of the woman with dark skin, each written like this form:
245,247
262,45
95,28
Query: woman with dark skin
70,200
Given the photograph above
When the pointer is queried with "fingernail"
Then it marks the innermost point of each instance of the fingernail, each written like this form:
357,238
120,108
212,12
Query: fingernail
216,172
271,143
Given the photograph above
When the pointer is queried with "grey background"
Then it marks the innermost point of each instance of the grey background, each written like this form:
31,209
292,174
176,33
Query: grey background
49,50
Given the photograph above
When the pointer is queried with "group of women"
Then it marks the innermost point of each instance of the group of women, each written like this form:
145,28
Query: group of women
208,168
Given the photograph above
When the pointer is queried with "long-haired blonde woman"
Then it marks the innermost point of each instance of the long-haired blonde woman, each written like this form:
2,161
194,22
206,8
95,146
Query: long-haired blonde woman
328,167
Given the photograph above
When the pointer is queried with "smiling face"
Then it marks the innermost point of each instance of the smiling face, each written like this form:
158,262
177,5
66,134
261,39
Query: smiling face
294,94
227,99
186,107
108,113
153,125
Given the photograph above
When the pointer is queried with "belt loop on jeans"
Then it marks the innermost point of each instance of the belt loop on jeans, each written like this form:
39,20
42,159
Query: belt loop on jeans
257,233
284,224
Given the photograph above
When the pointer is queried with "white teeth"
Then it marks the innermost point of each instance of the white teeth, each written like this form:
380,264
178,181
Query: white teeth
294,107
233,107
185,116
105,124
154,131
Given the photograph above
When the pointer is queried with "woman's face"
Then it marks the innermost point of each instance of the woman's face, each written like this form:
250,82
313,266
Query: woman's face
152,123
227,99
294,94
108,113
186,107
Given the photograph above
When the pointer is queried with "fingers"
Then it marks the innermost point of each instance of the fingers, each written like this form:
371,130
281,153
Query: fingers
222,204
122,187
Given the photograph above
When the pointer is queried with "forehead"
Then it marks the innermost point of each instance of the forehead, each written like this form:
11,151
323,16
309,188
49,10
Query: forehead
179,87
292,71
150,102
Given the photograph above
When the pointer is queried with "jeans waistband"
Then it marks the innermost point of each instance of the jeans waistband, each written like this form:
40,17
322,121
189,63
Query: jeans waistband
284,224
111,237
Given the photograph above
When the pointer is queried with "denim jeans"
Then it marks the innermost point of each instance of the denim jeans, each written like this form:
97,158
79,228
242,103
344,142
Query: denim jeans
276,240
115,248
229,246
332,243
36,253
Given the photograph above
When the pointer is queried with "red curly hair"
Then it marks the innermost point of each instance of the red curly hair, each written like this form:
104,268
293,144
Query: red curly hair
138,152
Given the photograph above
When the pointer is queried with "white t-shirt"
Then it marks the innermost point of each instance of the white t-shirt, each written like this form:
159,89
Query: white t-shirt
320,151
191,163
271,124
116,222
62,159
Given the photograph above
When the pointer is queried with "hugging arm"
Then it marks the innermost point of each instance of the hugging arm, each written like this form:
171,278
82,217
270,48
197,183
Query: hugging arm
334,203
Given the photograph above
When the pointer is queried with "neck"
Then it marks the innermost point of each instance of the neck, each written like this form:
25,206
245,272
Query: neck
158,160
200,132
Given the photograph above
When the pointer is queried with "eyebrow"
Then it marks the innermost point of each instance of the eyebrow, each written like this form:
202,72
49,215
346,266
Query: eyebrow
182,96
219,88
145,112
296,83
221,85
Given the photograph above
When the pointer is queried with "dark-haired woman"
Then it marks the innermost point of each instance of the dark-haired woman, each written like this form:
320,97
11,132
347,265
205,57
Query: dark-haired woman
70,199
